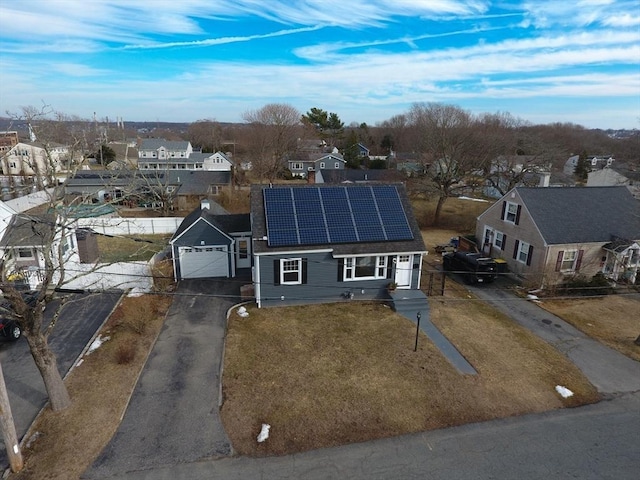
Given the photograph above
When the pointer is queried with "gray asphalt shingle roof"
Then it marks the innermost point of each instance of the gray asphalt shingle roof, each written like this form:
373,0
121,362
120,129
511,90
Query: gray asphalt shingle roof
29,231
583,214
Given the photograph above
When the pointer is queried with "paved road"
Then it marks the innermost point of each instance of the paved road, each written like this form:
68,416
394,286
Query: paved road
78,322
596,442
593,442
173,416
609,371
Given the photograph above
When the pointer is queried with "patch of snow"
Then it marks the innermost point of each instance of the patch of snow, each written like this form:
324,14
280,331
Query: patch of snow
264,433
564,391
79,362
473,199
97,343
243,312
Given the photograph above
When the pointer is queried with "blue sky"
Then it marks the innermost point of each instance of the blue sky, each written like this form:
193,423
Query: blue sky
366,60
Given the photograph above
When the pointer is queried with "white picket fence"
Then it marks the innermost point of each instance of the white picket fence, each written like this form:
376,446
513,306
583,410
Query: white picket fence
131,226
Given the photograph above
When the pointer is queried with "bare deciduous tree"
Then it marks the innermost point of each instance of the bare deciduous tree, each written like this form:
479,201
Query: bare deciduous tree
446,142
274,132
36,251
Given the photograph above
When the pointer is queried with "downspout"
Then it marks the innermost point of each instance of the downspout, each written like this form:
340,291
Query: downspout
420,271
256,280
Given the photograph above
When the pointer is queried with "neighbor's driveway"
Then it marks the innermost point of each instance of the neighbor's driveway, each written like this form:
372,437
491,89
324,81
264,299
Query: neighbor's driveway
79,321
173,416
608,370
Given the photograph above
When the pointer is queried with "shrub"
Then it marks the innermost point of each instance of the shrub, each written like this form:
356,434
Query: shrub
581,285
125,353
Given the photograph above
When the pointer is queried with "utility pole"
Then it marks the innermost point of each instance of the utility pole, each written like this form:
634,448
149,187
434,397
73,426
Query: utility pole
9,429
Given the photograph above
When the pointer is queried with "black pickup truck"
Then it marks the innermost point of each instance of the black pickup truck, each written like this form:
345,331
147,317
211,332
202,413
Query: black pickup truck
474,267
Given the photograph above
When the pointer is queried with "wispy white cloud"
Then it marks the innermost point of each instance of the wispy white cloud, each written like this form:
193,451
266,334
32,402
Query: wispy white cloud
220,41
556,50
625,20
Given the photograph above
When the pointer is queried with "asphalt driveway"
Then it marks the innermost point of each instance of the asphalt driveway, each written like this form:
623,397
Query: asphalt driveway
609,371
79,320
173,416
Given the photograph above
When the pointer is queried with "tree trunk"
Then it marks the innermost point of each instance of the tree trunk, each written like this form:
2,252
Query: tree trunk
9,429
48,366
436,216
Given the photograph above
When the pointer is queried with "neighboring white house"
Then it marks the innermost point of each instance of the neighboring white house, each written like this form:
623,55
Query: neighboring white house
160,154
24,246
34,158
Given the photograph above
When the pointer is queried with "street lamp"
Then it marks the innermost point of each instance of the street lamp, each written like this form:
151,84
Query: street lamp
415,349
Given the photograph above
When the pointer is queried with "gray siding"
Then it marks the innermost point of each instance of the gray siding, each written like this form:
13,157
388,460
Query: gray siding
323,281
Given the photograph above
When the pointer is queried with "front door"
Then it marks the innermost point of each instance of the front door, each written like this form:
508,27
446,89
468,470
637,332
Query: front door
404,268
243,254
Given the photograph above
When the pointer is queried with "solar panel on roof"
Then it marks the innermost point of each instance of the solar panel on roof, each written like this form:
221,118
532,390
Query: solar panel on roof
336,214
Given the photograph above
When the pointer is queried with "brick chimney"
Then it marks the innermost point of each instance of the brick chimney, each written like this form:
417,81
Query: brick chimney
311,176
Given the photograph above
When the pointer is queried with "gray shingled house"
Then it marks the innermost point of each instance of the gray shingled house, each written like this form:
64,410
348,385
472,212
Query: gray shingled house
327,243
211,243
548,235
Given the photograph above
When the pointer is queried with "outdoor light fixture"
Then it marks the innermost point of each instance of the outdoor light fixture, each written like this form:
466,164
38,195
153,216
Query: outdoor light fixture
418,315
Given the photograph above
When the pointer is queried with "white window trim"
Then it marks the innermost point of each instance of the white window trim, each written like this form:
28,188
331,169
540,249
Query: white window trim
298,269
349,268
566,259
523,249
31,255
498,243
336,165
507,212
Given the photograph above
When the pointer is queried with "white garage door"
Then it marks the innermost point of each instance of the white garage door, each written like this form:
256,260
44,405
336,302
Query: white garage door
198,262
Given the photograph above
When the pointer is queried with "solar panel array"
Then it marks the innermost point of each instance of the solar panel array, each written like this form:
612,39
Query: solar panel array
336,214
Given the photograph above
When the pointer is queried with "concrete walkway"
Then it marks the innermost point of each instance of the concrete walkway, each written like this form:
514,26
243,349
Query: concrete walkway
409,303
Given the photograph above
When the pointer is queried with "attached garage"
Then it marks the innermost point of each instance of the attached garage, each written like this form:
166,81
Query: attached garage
199,262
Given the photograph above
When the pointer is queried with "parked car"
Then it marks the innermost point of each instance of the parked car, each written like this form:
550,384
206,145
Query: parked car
9,328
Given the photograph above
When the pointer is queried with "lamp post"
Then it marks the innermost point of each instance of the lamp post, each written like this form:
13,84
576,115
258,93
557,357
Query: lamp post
415,349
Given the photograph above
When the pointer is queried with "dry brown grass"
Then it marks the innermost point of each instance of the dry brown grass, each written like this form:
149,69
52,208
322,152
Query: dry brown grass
324,376
612,320
130,249
66,443
457,214
234,201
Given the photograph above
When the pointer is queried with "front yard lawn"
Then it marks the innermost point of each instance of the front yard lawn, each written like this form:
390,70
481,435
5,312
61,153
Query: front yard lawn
613,320
325,375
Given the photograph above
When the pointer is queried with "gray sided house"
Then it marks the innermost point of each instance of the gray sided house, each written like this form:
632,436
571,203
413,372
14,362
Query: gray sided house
331,243
211,245
550,235
302,163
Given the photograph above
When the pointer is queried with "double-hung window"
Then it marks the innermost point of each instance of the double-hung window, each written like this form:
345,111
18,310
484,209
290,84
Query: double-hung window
291,271
499,240
524,250
569,260
511,212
